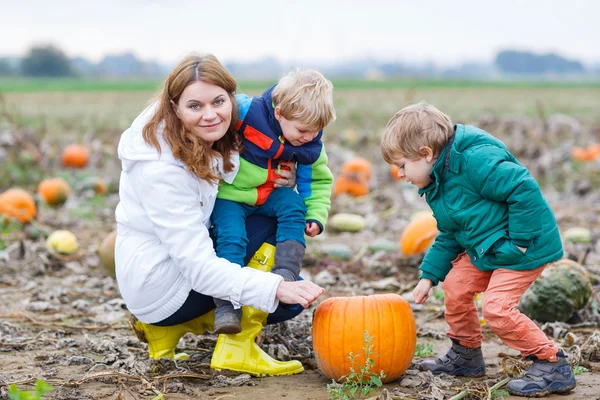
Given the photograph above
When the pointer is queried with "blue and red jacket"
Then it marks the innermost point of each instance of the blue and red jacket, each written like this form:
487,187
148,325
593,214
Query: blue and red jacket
264,147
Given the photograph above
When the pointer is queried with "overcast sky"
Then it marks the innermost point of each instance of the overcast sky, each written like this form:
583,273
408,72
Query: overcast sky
444,31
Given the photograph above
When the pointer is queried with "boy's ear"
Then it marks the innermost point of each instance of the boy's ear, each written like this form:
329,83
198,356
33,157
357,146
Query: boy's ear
277,113
426,152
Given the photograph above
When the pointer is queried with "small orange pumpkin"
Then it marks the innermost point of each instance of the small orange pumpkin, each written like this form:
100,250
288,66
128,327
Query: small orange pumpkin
394,172
359,166
18,204
581,154
339,325
54,191
75,156
352,184
94,183
418,234
594,150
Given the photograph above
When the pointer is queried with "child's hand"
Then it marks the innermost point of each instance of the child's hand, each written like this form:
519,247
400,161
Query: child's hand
312,229
421,291
287,175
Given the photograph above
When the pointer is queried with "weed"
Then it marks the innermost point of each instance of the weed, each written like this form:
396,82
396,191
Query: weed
41,388
424,350
499,394
362,379
578,370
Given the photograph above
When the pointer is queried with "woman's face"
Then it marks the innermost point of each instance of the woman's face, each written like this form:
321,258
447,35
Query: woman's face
205,109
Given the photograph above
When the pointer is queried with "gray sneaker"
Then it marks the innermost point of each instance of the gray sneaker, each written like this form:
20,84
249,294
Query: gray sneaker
544,377
458,361
227,319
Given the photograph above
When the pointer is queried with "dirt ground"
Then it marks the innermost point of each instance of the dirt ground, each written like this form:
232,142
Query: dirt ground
65,328
62,319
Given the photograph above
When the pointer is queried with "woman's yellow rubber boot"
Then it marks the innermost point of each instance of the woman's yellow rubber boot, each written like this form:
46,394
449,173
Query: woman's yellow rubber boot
162,340
240,352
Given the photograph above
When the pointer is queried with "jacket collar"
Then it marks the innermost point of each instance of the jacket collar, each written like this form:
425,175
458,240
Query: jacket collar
267,97
449,159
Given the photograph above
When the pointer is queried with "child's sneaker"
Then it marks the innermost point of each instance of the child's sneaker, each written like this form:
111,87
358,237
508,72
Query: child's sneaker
227,319
544,377
458,361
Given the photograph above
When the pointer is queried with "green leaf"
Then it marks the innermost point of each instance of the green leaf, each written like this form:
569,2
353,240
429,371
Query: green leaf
376,381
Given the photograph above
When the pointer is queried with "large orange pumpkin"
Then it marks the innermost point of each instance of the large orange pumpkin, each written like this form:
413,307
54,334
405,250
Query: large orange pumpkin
358,166
75,156
18,204
418,234
339,325
54,191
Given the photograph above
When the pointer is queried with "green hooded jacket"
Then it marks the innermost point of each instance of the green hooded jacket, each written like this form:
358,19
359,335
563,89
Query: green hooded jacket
486,203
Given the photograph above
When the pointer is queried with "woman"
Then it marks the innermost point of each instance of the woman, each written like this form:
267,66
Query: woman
173,156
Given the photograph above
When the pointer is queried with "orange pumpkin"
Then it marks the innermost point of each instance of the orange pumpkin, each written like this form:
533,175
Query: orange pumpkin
358,166
418,234
352,184
339,325
594,150
581,154
94,183
75,156
54,191
394,172
17,203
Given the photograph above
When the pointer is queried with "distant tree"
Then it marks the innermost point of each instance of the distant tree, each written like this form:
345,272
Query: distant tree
5,68
46,61
524,62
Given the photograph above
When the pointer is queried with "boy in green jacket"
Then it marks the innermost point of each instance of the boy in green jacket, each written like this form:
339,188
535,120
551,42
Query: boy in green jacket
497,233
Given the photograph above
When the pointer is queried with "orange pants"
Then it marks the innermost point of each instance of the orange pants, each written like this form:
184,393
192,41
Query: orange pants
501,290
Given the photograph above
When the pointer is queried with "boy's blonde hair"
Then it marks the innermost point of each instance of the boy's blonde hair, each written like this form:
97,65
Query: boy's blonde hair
413,127
305,95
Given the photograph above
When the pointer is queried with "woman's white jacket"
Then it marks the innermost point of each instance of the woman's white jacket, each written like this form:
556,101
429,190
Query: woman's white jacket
163,249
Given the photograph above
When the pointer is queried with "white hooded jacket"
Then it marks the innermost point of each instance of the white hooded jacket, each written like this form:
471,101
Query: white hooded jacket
163,249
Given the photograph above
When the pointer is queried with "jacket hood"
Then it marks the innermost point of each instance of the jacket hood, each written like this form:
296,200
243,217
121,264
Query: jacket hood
132,147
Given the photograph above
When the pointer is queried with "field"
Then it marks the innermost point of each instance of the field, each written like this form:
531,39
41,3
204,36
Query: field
62,319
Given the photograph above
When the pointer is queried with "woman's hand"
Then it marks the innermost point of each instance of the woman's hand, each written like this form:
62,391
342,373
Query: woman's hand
421,291
287,176
299,292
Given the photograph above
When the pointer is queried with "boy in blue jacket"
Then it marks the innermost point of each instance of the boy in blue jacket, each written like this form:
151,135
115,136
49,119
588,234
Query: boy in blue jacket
497,233
284,125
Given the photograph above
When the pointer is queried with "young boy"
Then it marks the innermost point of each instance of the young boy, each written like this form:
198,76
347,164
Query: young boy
283,125
497,233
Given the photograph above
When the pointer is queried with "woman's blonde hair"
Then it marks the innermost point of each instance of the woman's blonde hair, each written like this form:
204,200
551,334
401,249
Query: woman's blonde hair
187,147
305,95
413,127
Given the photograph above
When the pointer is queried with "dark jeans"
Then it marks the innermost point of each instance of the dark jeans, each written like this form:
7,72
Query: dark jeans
259,229
229,219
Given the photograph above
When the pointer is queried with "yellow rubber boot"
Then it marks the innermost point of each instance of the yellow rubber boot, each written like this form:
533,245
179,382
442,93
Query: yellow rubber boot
240,352
162,340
